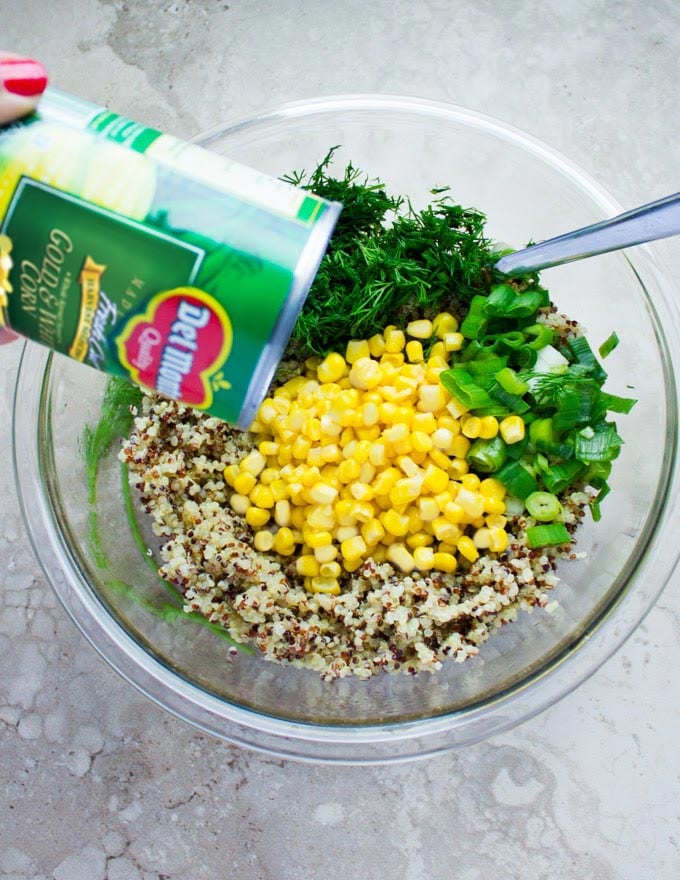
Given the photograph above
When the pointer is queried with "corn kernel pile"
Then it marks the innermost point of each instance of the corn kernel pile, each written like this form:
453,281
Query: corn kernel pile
365,456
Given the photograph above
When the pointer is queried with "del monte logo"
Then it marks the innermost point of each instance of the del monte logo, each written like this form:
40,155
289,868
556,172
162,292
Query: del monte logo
176,345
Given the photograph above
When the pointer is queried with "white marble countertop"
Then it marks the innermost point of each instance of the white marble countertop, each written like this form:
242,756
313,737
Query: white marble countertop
99,783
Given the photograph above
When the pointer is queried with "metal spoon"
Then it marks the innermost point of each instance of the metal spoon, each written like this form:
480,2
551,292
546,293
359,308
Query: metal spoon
656,220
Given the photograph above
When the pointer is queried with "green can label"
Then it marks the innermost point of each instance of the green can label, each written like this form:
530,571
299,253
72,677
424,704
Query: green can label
150,258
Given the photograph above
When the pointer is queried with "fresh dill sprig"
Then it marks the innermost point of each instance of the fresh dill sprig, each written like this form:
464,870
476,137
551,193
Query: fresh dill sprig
386,260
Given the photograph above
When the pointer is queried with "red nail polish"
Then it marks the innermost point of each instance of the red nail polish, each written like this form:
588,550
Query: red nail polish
22,76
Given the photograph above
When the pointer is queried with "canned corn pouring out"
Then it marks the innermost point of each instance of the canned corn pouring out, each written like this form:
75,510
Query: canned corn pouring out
150,258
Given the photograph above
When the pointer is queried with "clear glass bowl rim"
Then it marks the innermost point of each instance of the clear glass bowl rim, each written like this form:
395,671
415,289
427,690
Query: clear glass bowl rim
351,744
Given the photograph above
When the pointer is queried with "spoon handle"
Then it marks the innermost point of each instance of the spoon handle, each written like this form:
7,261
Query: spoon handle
658,219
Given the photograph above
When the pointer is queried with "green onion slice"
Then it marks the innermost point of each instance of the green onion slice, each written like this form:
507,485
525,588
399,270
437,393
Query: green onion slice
548,535
543,506
608,345
517,479
487,456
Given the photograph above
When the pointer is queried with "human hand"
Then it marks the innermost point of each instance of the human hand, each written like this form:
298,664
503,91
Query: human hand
22,83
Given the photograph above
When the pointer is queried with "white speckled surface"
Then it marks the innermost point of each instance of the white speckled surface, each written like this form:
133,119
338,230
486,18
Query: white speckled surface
97,782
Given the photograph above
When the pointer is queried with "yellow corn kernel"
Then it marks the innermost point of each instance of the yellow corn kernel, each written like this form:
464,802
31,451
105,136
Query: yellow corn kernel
285,456
386,480
329,585
436,479
498,540
408,466
379,554
496,521
361,450
282,513
394,340
423,558
471,426
395,523
279,489
396,432
466,548
460,447
362,511
481,538
362,491
420,329
284,542
391,362
428,509
365,373
438,350
494,506
357,348
254,463
399,556
297,518
308,566
370,414
244,482
281,405
470,482
424,422
444,323
323,493
317,538
455,408
239,503
267,412
512,429
488,427
439,459
377,454
454,513
257,517
372,531
368,433
311,429
405,491
453,341
331,368
331,453
419,458
315,457
268,447
295,420
327,553
492,488
268,475
344,533
421,441
348,470
354,565
419,539
444,562
459,467
431,398
442,439
321,517
230,473
344,512
444,530
301,448
414,351
353,548
263,541
308,476
330,569
471,502
376,345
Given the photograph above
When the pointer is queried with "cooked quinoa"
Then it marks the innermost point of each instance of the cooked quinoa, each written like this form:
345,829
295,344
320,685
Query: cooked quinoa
382,619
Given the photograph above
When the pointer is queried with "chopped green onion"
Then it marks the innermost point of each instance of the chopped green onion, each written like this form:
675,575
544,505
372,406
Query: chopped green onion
510,381
517,479
595,503
583,354
543,506
506,302
487,456
614,403
557,477
598,443
541,431
543,335
463,387
475,321
486,365
548,536
508,342
512,402
608,345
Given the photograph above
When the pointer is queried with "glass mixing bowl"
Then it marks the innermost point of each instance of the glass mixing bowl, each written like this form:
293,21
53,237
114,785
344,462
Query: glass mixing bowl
528,192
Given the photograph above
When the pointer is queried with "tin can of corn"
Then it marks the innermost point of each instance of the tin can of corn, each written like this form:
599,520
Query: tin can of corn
151,258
